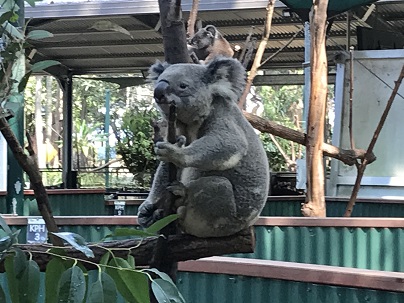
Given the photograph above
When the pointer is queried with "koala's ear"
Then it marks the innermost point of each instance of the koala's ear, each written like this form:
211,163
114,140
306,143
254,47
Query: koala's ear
223,71
156,70
211,29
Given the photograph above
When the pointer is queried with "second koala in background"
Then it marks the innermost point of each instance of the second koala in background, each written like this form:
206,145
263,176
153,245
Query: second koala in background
207,43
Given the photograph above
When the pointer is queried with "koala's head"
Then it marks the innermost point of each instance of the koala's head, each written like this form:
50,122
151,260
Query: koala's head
203,38
193,87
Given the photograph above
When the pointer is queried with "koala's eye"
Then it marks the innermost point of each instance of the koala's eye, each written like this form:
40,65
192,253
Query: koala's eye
183,85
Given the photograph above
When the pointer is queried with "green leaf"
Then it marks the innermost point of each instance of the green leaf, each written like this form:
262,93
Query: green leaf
12,30
5,226
2,294
54,271
103,291
6,16
41,65
24,81
160,224
11,279
39,34
105,258
131,261
161,274
29,283
31,2
72,287
5,243
129,232
20,263
77,242
133,285
164,291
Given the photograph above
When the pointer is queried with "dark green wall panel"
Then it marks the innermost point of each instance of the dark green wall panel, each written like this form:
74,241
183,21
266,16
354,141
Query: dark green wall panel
212,288
367,248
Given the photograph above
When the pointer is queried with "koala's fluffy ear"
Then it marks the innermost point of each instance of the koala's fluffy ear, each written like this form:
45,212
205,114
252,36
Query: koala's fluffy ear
211,29
156,70
226,73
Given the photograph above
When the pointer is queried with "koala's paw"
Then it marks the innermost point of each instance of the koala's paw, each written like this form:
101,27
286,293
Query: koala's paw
168,152
148,213
181,141
177,188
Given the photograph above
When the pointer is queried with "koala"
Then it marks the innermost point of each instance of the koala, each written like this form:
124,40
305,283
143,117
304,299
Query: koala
208,43
223,173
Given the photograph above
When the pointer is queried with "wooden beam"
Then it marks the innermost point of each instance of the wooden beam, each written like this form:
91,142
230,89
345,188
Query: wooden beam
300,272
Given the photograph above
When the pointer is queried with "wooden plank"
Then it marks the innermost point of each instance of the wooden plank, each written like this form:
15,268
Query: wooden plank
311,273
64,191
3,193
332,222
262,221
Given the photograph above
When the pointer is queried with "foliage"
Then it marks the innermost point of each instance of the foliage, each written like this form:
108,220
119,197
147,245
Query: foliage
67,280
284,105
135,142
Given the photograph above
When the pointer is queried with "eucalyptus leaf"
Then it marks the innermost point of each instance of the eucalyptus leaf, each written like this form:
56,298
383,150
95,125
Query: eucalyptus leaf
132,285
31,2
23,82
20,263
131,261
103,290
160,224
5,243
77,242
129,232
2,294
5,226
72,286
169,290
39,34
6,16
161,274
12,30
105,258
29,283
41,65
54,271
11,279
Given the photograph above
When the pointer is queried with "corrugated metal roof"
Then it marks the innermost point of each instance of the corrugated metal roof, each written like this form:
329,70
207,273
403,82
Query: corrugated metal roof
84,50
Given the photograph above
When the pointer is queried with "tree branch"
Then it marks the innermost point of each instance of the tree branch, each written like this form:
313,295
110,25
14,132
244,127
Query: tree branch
179,248
365,162
348,157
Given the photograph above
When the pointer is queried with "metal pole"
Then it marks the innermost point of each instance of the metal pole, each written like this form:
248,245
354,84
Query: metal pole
68,178
106,131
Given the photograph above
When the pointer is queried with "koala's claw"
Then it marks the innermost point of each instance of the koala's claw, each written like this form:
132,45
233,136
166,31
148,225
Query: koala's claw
181,141
177,188
148,214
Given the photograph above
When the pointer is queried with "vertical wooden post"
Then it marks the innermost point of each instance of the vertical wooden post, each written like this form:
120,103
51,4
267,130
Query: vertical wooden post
315,201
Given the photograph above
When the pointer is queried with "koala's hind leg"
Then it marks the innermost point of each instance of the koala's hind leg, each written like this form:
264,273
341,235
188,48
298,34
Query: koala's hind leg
209,208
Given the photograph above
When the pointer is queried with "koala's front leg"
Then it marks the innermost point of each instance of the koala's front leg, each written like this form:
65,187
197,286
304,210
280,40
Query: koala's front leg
168,152
214,151
148,212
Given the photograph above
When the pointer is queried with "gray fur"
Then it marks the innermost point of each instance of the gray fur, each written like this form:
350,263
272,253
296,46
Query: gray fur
224,173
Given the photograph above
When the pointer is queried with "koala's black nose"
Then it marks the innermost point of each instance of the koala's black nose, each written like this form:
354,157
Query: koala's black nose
160,90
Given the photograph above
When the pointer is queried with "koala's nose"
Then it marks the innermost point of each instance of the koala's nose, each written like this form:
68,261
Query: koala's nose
160,90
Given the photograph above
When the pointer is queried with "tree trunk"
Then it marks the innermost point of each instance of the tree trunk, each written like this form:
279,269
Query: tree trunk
29,164
349,157
179,248
315,201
